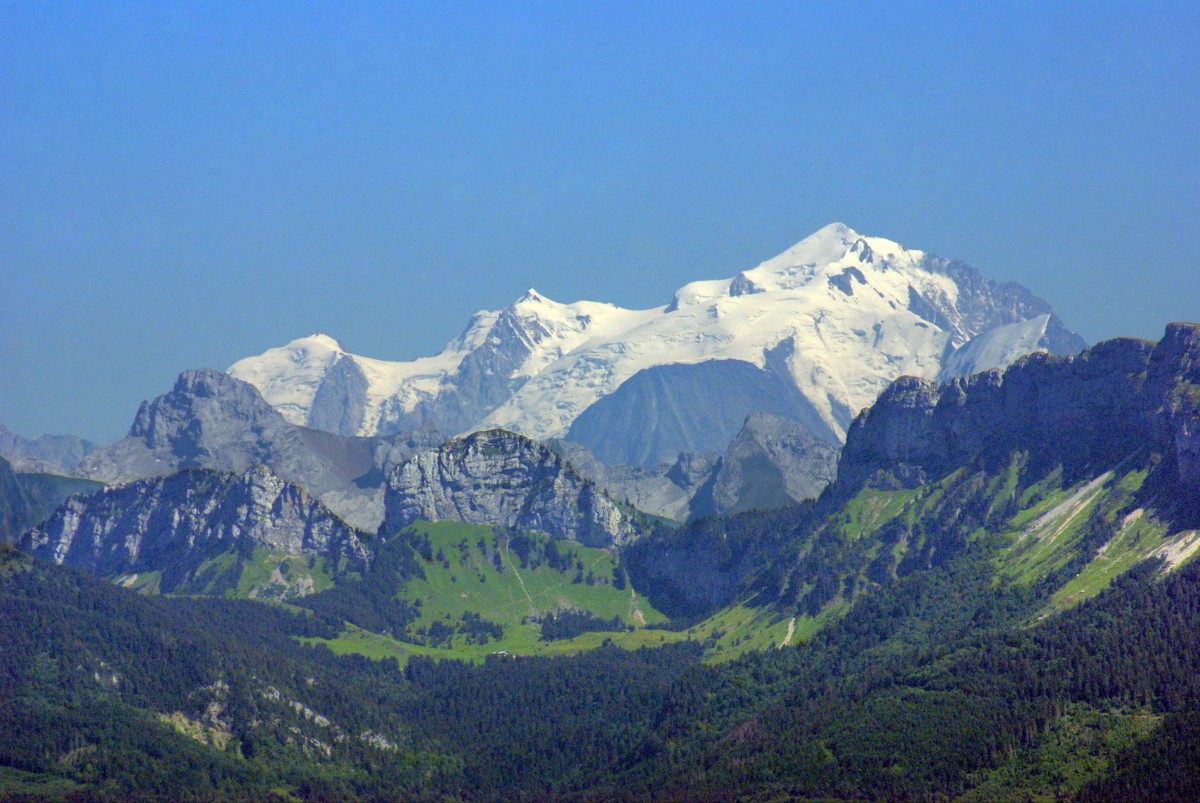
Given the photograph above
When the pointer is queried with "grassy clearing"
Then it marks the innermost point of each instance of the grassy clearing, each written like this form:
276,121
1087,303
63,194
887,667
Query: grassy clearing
141,582
1061,523
282,577
1049,532
871,509
372,645
512,581
740,629
1134,542
477,571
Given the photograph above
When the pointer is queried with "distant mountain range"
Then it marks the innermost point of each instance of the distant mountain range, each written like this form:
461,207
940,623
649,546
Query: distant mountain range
996,596
736,395
47,454
813,335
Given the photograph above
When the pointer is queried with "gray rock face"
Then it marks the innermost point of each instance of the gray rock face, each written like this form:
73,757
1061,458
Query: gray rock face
983,304
1173,380
665,490
47,454
502,479
166,523
341,399
208,420
1098,407
16,509
771,463
211,420
663,411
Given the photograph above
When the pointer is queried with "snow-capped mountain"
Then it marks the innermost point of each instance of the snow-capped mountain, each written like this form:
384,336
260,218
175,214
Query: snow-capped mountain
833,319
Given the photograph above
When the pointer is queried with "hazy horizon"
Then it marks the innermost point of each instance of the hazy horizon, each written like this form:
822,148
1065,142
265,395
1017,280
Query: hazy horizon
186,186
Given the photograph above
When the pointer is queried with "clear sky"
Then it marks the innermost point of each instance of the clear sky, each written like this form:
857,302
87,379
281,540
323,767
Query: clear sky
183,185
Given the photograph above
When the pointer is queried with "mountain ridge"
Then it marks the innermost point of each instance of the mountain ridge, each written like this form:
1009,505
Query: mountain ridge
176,532
210,419
851,312
500,478
1058,471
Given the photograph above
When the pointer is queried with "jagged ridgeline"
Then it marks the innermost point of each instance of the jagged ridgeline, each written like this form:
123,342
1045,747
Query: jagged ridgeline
204,532
212,420
1049,479
813,334
501,478
523,555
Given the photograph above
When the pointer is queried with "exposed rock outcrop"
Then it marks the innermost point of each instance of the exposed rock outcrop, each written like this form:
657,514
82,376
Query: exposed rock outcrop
1112,400
46,454
771,463
169,523
211,420
502,479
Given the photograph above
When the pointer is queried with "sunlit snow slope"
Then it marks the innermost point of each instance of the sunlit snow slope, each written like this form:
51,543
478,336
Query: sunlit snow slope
838,316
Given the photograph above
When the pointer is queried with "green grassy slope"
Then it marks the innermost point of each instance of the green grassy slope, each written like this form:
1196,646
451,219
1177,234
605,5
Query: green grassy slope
479,590
1053,542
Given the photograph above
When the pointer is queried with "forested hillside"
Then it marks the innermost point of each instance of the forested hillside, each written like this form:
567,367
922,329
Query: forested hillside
107,693
977,608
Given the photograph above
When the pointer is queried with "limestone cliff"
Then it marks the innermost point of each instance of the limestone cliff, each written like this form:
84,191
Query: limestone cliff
172,524
1092,409
503,479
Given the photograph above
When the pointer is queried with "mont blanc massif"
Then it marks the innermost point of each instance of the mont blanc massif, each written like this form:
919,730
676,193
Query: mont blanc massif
856,523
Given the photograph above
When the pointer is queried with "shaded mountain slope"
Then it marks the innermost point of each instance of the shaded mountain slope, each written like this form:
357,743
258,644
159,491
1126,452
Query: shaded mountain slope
196,531
211,420
835,318
1059,470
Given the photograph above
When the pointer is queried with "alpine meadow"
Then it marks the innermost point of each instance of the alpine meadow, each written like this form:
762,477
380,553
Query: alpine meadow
868,519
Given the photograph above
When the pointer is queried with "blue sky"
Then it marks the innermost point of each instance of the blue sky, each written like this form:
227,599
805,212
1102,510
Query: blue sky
182,185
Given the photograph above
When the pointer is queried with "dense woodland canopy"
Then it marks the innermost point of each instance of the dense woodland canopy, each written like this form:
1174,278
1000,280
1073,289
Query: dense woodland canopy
1020,623
909,695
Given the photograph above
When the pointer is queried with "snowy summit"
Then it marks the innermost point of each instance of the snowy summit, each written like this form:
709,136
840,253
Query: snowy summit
839,315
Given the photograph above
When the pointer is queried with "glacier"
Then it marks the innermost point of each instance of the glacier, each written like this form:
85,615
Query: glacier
839,315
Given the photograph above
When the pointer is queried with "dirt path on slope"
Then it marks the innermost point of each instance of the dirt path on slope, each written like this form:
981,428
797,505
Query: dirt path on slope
513,566
791,629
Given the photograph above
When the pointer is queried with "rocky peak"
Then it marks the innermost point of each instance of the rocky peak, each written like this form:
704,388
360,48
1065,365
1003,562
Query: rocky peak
212,420
771,463
173,524
503,479
981,304
1091,409
199,400
45,454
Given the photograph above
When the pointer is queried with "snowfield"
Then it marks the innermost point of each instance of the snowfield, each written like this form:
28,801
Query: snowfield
840,314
